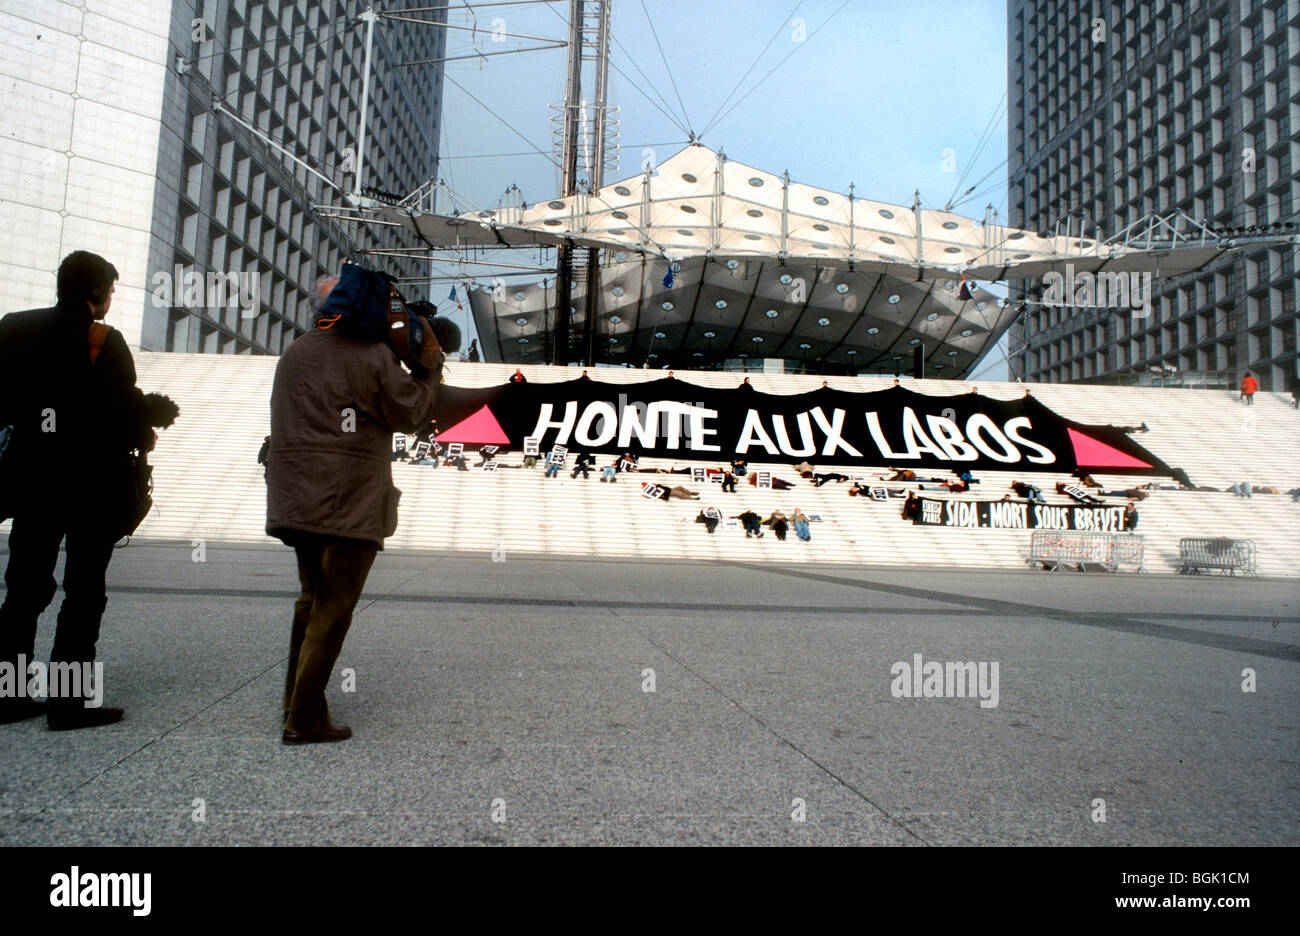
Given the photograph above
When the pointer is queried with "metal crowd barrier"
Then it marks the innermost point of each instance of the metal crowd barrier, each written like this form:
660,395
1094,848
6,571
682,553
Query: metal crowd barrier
1217,554
1069,549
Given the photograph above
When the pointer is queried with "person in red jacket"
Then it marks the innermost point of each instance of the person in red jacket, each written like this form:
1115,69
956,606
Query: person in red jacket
1248,387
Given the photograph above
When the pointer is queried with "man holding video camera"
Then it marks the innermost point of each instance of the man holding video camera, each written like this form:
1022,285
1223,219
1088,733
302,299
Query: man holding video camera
340,393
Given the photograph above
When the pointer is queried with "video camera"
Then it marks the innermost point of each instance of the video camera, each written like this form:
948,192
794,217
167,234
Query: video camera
366,305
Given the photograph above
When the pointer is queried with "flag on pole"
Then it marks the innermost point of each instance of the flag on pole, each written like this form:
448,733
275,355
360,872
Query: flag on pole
964,292
452,297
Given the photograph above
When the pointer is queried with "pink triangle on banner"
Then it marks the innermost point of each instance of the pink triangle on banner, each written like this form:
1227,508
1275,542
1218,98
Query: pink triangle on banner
481,428
1090,453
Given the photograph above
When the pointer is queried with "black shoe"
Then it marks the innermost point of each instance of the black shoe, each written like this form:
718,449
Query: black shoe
16,710
325,734
72,717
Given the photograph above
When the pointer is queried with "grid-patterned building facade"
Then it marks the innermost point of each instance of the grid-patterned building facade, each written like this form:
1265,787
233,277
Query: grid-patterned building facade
1123,108
112,143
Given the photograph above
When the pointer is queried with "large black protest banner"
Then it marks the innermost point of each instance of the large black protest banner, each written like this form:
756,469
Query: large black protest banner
1018,515
894,427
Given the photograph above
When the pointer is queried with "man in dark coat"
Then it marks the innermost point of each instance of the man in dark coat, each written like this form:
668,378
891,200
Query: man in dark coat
335,405
64,477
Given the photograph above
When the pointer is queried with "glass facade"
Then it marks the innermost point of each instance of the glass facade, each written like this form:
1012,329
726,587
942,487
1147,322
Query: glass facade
1124,108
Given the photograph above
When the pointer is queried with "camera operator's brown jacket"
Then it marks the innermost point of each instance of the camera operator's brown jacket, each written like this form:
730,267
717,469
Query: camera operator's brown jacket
335,405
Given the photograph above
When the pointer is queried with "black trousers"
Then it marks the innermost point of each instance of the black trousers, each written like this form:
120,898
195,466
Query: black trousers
29,579
332,572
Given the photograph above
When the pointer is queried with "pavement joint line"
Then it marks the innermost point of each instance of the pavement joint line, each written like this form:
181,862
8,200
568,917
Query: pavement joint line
282,662
597,603
1138,625
770,730
415,814
160,737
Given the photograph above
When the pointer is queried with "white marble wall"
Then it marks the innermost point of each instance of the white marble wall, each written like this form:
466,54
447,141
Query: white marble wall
81,91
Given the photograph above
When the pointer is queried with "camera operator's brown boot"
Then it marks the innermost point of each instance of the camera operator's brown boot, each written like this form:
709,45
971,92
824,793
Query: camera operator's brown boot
325,733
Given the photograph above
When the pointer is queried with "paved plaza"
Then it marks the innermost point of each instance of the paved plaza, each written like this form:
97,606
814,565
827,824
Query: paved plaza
508,703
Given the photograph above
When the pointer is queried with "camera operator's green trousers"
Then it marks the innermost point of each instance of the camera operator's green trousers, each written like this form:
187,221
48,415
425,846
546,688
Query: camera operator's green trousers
332,571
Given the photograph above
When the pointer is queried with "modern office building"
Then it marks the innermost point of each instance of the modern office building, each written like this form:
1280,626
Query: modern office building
127,128
1126,108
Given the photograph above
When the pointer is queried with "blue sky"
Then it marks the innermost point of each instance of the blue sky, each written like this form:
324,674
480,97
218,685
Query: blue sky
874,95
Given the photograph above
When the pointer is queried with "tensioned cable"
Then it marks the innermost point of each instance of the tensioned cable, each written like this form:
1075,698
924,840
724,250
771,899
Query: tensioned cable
501,119
671,79
982,142
531,153
778,65
676,123
758,58
653,87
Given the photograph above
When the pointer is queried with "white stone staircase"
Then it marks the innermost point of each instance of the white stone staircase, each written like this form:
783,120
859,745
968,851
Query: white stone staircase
208,485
